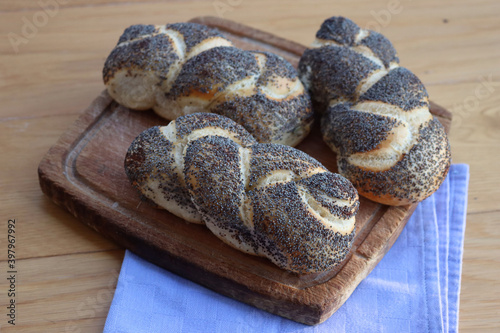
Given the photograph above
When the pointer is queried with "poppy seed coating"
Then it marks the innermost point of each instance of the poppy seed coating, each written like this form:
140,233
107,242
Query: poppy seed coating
283,227
187,125
137,56
212,174
355,131
336,72
327,185
194,33
417,175
213,69
399,87
381,47
275,67
149,165
277,118
268,158
338,29
136,31
280,214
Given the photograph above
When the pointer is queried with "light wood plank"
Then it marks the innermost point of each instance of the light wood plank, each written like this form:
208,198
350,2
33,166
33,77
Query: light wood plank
433,51
56,293
480,296
474,139
43,229
59,72
25,5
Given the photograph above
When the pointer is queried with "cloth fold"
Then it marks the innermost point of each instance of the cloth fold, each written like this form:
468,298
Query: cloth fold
414,288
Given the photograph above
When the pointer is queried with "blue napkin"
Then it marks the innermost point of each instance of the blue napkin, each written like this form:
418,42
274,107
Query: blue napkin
415,287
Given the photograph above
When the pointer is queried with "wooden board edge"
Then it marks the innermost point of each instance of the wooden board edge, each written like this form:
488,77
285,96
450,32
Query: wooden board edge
252,33
440,111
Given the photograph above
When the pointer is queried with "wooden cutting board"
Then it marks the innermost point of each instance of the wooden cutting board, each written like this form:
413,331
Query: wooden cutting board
83,172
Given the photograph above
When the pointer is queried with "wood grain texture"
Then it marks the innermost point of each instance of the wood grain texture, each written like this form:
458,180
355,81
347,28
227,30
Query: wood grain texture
53,77
84,173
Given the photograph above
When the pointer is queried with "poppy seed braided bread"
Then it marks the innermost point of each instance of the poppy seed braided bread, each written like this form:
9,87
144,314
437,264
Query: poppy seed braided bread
183,68
265,199
375,114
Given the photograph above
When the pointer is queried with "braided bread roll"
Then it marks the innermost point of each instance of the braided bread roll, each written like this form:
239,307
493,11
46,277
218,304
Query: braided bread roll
264,199
182,68
375,115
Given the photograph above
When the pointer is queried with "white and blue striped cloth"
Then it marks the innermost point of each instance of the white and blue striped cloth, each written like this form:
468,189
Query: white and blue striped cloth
415,288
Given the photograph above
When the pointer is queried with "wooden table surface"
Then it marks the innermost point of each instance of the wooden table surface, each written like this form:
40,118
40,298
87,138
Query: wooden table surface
52,52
